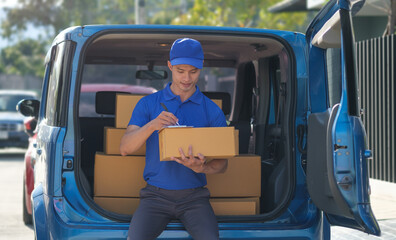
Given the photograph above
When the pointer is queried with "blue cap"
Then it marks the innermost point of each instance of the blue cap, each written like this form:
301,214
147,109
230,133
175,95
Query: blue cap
187,51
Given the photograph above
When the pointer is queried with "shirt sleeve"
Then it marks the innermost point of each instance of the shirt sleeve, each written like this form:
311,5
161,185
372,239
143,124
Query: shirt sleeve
140,115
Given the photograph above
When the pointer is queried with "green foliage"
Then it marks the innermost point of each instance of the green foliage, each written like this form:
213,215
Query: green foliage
163,12
34,12
111,12
236,13
60,14
24,58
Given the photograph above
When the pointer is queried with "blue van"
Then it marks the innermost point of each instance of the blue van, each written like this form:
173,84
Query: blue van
293,97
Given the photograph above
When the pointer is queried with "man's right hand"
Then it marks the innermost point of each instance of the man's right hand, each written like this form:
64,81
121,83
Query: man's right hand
163,120
136,136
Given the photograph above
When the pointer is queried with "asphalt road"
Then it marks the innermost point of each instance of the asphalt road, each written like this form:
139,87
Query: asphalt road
11,172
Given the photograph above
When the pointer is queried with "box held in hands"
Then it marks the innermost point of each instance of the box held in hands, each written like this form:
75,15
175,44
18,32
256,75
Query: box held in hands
212,142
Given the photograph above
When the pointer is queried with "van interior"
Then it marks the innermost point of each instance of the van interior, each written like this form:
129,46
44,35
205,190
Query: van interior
252,75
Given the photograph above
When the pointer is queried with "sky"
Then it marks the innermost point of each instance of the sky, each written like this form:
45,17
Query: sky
3,4
34,32
8,3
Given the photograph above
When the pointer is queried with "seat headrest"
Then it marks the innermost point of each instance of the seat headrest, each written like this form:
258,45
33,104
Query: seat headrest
105,102
225,97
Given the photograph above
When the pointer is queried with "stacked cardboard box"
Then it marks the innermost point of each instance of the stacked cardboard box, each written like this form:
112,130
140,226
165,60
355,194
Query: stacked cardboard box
118,176
221,206
112,141
118,179
118,205
238,190
235,206
125,103
242,178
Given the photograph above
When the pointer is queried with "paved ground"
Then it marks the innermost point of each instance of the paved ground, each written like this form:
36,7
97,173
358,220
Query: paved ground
383,203
11,224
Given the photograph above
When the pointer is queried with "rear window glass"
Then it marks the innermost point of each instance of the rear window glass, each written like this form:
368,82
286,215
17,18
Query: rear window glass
104,77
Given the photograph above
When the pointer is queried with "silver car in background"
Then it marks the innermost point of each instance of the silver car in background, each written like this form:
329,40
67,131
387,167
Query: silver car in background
12,130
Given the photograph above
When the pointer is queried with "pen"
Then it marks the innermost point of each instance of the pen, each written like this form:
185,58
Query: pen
166,109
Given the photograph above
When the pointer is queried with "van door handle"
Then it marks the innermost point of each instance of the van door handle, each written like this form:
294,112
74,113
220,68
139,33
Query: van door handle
39,151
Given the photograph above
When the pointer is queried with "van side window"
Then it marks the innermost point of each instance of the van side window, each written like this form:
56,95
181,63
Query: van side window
333,56
56,84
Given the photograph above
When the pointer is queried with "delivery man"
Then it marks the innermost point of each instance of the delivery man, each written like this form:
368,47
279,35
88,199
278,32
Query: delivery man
175,189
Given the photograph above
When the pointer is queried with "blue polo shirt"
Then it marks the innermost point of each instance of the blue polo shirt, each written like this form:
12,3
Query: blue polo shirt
197,111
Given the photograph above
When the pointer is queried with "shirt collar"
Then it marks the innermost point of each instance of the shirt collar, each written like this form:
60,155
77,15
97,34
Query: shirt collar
195,98
168,94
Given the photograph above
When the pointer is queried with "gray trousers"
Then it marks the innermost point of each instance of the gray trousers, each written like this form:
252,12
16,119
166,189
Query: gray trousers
159,206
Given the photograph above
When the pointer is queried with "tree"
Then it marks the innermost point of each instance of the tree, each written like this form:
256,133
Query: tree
60,14
56,15
236,13
24,58
53,16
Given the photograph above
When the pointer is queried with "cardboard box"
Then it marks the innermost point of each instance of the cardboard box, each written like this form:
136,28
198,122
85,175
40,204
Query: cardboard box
219,102
221,206
125,103
237,140
112,141
241,179
118,205
118,176
212,142
235,206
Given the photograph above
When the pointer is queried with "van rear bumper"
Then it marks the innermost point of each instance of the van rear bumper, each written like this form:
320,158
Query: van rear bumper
56,228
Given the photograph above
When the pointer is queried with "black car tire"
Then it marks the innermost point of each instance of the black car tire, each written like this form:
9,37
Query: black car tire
27,218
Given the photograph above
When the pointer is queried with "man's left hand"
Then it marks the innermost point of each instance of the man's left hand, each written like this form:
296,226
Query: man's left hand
197,164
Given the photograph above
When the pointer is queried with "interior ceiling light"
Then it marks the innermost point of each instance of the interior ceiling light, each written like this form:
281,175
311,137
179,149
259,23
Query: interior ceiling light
163,44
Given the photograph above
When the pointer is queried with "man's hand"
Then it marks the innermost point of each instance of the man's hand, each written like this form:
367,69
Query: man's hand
198,164
163,120
136,136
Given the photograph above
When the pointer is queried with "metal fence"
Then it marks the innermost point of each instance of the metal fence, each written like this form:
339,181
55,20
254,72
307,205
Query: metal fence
376,68
20,82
